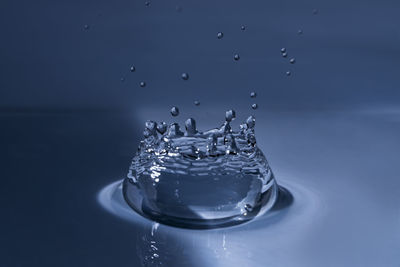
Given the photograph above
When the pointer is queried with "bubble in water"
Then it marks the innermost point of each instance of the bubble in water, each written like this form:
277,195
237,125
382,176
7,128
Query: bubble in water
292,60
284,54
288,73
220,35
198,179
230,115
86,27
236,57
283,50
254,106
243,27
185,76
133,68
197,103
253,94
174,111
142,84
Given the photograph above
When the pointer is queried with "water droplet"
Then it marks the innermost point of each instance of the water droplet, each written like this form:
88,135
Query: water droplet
292,60
185,76
86,27
283,50
220,35
142,84
254,106
174,111
243,27
174,130
190,125
253,94
133,68
236,57
162,127
288,73
315,11
122,79
284,54
147,3
197,103
251,122
230,115
300,32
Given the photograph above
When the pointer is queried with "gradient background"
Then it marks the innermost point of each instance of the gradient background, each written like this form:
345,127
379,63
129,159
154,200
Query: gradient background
69,125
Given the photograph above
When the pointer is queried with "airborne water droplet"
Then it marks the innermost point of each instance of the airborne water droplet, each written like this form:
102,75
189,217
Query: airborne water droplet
292,61
174,111
254,106
283,50
220,35
133,68
284,54
236,57
197,103
253,94
288,73
243,28
300,32
147,3
185,76
142,84
86,27
230,115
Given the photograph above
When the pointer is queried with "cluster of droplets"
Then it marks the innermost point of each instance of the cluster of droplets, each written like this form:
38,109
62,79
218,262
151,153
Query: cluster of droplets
253,95
291,60
220,35
161,138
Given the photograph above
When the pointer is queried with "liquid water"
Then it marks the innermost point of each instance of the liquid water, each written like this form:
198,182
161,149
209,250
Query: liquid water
199,179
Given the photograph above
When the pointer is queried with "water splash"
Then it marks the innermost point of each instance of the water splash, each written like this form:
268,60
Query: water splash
200,179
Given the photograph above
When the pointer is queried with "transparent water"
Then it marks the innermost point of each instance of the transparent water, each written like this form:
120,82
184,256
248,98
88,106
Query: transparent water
200,179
